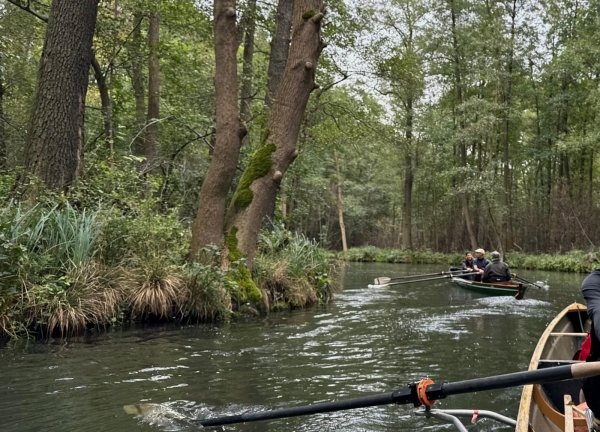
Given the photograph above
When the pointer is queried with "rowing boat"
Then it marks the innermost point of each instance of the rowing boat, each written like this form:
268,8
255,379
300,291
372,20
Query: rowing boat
493,289
543,407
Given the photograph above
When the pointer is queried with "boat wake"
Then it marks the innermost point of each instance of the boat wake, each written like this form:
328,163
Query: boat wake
176,416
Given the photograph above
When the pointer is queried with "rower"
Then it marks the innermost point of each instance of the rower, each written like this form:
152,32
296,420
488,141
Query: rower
591,386
481,262
497,271
468,265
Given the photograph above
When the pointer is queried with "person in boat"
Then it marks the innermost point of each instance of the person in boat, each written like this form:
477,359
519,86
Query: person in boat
468,265
481,262
497,271
591,386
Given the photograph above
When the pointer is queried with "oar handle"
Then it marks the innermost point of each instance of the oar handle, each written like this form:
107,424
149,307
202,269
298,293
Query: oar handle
424,393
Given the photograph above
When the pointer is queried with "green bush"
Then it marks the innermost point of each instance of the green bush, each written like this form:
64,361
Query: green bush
293,270
574,261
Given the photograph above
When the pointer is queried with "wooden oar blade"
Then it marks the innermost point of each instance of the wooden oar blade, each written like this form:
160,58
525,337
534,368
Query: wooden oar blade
140,409
382,281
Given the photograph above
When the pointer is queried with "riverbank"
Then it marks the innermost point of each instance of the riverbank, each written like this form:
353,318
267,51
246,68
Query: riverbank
571,262
65,269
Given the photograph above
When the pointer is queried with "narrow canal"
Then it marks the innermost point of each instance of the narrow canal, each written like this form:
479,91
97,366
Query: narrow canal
366,341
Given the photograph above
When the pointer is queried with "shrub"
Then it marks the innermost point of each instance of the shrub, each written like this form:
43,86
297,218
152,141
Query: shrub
293,270
85,295
208,292
155,288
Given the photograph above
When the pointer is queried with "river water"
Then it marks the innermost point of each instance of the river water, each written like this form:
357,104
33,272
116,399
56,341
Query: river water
366,341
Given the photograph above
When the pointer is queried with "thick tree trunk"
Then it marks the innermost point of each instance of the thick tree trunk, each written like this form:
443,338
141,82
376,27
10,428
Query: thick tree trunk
247,70
55,139
280,46
105,100
462,145
340,204
208,227
151,139
137,82
261,179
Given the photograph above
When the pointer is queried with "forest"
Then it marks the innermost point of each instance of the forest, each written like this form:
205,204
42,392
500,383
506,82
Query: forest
181,159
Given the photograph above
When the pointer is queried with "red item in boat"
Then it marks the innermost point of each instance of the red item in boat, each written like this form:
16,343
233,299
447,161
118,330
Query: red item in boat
586,348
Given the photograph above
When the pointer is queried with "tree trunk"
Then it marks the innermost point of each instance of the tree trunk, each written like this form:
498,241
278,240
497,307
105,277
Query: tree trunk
506,155
407,204
247,72
2,136
591,180
105,100
151,140
340,204
137,82
55,139
408,181
463,147
208,227
259,184
280,46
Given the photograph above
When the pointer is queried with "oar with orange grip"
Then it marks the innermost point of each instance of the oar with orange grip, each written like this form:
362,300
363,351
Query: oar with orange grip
425,393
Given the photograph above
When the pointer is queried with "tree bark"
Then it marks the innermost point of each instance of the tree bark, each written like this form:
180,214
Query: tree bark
208,227
407,243
151,139
280,46
340,204
55,140
137,82
105,100
506,155
462,145
261,179
247,69
2,136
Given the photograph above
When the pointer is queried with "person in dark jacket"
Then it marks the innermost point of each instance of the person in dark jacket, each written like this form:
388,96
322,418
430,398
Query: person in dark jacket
468,265
481,262
497,271
591,386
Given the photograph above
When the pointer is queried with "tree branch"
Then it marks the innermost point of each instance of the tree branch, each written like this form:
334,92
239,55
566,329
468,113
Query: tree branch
27,8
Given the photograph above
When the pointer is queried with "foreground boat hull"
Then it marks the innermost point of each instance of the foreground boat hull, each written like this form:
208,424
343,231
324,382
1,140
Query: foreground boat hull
506,289
542,406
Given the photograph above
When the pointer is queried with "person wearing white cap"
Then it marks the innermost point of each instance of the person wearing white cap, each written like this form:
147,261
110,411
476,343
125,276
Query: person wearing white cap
480,263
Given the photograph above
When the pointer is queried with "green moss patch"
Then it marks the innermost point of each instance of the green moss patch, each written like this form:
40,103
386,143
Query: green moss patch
308,15
259,166
249,290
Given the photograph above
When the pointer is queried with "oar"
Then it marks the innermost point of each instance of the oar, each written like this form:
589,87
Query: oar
430,279
425,392
386,280
528,283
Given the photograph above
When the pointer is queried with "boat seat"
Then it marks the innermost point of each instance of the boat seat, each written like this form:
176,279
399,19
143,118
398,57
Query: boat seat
562,362
569,334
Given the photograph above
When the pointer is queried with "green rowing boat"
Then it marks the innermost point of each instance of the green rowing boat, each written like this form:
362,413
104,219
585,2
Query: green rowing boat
492,289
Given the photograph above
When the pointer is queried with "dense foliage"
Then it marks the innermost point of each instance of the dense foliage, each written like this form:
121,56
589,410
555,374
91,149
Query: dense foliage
434,125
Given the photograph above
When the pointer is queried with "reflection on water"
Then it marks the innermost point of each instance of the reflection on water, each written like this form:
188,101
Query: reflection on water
366,341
